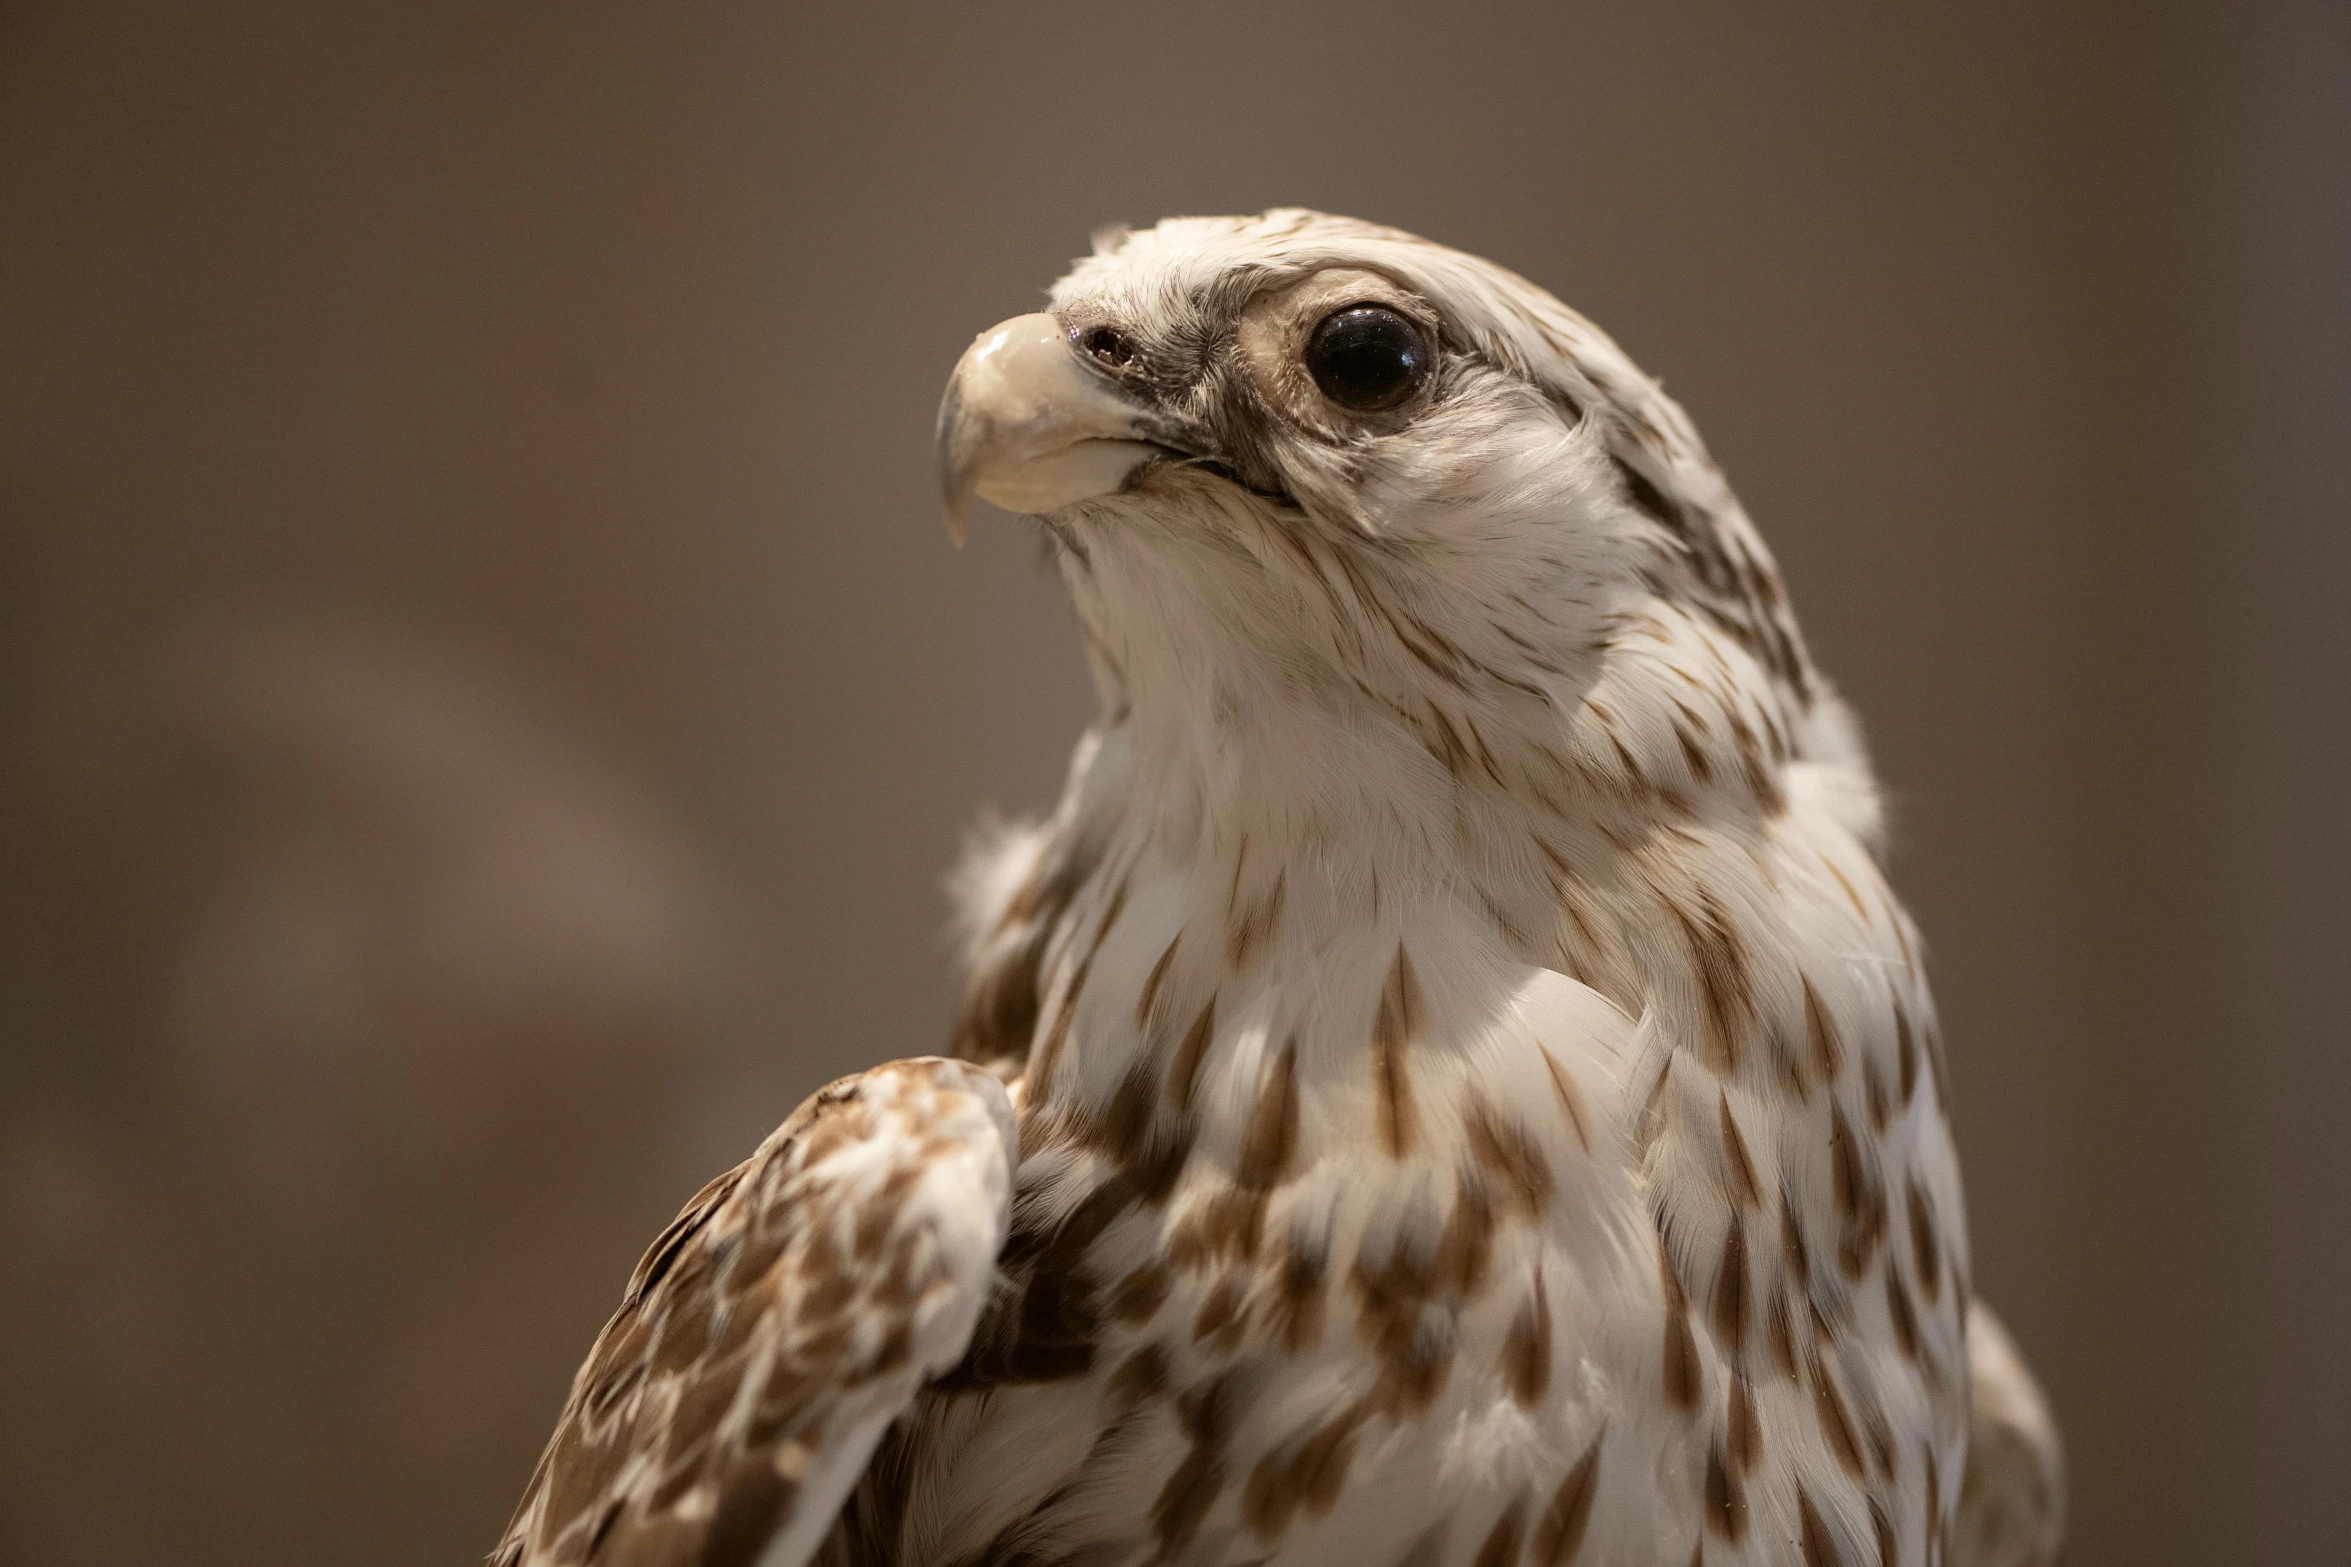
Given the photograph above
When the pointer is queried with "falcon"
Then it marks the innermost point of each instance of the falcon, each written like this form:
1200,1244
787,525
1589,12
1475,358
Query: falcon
1449,1085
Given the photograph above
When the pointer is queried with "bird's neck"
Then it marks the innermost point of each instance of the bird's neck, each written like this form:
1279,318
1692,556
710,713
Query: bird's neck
1291,789
1392,721
1302,828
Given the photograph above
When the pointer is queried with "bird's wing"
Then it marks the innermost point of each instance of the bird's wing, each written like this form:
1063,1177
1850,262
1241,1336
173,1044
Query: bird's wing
2012,1503
779,1324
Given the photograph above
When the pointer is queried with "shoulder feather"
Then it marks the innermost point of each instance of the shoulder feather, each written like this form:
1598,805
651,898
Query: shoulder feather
776,1327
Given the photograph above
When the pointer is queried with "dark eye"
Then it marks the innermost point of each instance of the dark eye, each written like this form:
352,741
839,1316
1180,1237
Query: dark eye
1367,357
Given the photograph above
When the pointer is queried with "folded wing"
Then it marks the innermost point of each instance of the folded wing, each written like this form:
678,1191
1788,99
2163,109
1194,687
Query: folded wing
777,1327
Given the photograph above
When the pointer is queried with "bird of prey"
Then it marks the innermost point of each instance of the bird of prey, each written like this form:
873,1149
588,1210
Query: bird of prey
1449,1086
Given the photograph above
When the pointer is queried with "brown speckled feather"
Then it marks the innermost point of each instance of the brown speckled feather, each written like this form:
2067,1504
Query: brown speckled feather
780,1322
1469,1056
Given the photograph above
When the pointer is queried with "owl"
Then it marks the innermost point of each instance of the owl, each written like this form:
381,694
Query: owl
1450,1084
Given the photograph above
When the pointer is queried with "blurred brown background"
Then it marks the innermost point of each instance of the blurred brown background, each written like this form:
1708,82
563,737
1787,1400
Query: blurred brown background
487,702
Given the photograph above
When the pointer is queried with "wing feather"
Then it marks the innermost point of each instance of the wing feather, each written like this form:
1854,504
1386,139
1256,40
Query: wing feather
2011,1510
771,1333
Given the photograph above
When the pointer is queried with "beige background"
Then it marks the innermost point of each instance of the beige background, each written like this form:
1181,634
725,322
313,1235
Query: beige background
487,702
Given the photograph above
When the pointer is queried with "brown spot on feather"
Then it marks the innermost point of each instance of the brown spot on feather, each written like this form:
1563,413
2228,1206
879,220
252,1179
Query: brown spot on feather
1250,931
1846,1178
1271,1140
1138,1296
1681,1345
1898,1308
1860,1202
1192,1489
1503,1150
1742,1166
1403,1322
1223,1226
1780,1330
1730,1293
1632,769
1788,1066
1392,1028
1148,1002
1526,1352
1306,1476
1221,1320
1881,1438
1820,1036
1185,1076
897,1347
1141,1376
1561,1533
1755,769
1467,1244
1795,1252
1926,1250
1123,1130
1836,1421
1048,1056
1743,1427
1501,1546
1726,1498
1906,1053
1693,756
1294,1312
997,1020
1819,1546
1648,499
1719,963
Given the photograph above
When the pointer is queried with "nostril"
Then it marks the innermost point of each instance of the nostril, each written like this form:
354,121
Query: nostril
1108,344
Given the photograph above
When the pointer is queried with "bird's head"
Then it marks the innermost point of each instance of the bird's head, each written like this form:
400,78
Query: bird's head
1307,473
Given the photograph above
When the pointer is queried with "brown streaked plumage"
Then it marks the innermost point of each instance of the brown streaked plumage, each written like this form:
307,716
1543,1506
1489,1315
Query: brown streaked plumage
1461,943
758,1336
1391,1042
1272,1137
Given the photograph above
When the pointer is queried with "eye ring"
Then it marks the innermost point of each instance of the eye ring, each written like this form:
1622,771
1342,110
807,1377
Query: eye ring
1367,358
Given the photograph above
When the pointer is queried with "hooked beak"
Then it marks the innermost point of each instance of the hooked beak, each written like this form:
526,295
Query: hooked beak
1030,426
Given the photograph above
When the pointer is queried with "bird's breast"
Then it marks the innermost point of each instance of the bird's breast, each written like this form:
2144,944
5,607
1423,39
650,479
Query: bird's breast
1407,1261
